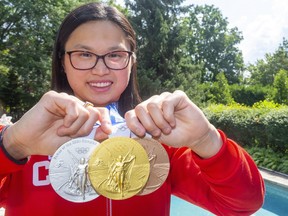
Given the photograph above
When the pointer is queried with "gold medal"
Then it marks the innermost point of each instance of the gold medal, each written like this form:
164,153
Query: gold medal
119,168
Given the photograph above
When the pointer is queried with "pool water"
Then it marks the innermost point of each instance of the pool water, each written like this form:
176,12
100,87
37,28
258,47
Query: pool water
276,199
275,204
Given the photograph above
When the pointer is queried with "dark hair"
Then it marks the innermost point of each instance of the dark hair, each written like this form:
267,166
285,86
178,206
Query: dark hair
93,12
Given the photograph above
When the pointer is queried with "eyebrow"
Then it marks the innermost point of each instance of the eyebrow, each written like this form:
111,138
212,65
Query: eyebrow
81,46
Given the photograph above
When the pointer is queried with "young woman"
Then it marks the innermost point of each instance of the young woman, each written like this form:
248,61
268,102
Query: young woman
95,60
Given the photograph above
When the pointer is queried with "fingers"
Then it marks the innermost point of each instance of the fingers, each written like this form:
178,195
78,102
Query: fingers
155,116
105,121
86,119
134,123
77,117
100,135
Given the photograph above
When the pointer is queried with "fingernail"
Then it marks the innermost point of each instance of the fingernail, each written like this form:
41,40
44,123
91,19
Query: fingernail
166,130
139,132
156,133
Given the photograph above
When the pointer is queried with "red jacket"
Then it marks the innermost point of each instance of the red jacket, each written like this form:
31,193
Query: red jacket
227,184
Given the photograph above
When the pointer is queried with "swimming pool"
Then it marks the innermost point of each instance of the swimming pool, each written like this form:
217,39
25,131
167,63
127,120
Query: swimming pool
276,204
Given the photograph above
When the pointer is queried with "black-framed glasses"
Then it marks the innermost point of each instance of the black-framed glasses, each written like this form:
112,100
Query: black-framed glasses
84,60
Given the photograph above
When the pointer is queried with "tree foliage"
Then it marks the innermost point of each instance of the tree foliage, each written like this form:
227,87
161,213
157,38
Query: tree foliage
249,94
281,87
177,49
264,71
213,44
27,32
219,91
162,62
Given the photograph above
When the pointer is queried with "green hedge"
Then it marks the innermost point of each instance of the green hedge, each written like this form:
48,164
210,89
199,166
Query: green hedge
262,126
248,95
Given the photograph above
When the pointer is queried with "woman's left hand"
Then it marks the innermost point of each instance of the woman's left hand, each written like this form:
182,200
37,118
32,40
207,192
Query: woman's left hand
173,119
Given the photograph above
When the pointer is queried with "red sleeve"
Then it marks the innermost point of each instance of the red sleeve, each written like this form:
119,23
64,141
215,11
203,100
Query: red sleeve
7,163
7,166
228,183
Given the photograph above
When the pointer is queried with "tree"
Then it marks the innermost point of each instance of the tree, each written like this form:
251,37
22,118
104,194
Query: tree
213,44
264,71
281,87
219,92
27,32
249,94
162,59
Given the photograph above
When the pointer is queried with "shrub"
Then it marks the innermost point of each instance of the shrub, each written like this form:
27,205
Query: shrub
263,127
275,123
248,95
266,157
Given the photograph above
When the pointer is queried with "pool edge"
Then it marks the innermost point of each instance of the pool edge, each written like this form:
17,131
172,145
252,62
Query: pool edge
275,177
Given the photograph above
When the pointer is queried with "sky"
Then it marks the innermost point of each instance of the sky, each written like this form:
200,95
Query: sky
263,23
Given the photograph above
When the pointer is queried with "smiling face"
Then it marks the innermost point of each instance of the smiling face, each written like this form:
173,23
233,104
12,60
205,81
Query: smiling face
98,85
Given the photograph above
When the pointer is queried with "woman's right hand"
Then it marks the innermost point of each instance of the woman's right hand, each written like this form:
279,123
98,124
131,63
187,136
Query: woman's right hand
54,120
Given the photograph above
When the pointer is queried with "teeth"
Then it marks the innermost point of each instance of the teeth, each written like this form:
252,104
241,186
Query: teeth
101,84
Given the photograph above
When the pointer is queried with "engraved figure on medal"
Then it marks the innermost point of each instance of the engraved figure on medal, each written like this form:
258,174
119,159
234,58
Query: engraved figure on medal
159,164
120,173
118,168
68,170
79,183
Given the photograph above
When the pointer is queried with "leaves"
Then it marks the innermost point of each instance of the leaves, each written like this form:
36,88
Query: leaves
264,71
266,157
281,87
27,32
183,45
212,43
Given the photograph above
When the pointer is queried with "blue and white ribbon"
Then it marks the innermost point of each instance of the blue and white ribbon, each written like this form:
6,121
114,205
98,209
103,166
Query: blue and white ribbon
119,127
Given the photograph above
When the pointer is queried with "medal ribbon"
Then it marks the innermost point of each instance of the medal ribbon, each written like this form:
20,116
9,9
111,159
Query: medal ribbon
114,114
119,127
114,117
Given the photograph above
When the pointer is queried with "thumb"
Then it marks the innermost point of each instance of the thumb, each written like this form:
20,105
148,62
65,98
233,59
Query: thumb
105,127
100,135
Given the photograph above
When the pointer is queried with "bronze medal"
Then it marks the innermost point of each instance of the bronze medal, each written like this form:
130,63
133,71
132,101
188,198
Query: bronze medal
159,164
118,168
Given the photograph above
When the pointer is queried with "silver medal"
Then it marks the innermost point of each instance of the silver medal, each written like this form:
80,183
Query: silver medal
68,170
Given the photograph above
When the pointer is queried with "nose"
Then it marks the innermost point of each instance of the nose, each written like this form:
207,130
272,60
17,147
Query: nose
100,68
